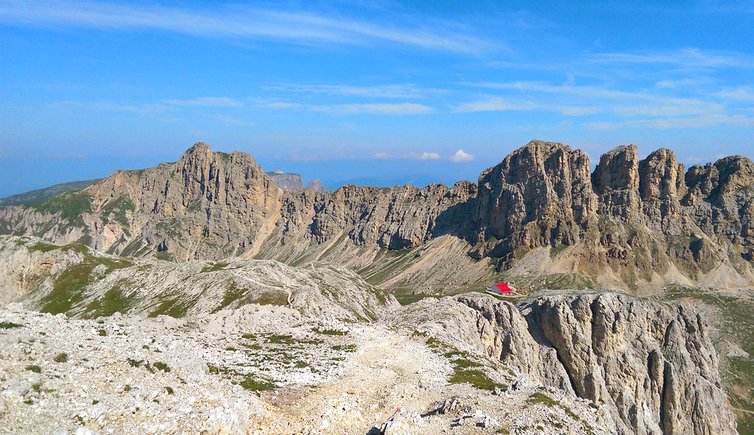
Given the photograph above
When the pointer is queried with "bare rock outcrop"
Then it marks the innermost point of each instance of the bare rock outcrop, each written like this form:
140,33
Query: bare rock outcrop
286,181
653,364
540,195
616,181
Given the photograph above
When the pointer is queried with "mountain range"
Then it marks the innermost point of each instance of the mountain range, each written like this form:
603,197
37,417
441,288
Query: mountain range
541,217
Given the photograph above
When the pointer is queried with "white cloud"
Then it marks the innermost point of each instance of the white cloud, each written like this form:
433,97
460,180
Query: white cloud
399,91
494,105
236,21
687,122
461,156
373,109
684,58
743,93
382,156
502,105
427,156
276,105
348,109
205,101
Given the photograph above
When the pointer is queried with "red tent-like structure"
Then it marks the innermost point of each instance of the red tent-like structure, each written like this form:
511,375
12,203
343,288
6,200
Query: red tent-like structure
503,288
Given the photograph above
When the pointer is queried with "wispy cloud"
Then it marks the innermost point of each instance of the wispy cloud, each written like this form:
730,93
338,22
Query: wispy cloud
743,93
682,83
461,156
141,109
353,109
398,91
502,105
374,109
147,109
304,28
494,105
690,122
205,102
426,156
684,58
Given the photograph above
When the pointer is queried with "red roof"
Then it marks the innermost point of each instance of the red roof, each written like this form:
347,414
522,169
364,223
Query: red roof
503,287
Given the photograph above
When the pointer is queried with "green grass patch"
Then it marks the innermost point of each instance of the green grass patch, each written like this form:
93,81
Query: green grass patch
10,325
541,398
250,383
34,368
272,298
60,358
344,347
140,363
329,331
70,285
476,378
232,294
70,205
161,366
280,339
116,210
214,267
113,301
173,307
43,247
164,256
467,371
410,298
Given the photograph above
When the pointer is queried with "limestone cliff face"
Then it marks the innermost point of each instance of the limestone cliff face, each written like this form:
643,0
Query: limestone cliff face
652,364
397,218
540,195
206,205
633,220
630,222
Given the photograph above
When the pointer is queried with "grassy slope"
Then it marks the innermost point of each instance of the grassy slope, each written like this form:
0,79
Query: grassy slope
39,196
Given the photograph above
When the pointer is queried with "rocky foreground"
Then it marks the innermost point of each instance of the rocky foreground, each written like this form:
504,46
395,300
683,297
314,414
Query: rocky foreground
131,375
600,363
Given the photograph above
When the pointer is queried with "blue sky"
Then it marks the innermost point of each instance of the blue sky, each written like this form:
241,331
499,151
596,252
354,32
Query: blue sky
379,92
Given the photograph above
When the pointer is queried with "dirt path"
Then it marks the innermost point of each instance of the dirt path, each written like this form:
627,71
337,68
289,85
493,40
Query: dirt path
388,371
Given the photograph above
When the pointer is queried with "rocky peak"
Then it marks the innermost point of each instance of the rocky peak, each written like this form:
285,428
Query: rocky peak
198,149
661,176
540,194
618,169
616,180
735,172
726,176
662,183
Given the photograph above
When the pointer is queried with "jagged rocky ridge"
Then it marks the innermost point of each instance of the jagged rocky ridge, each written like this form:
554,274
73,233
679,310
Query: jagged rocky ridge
629,222
653,364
